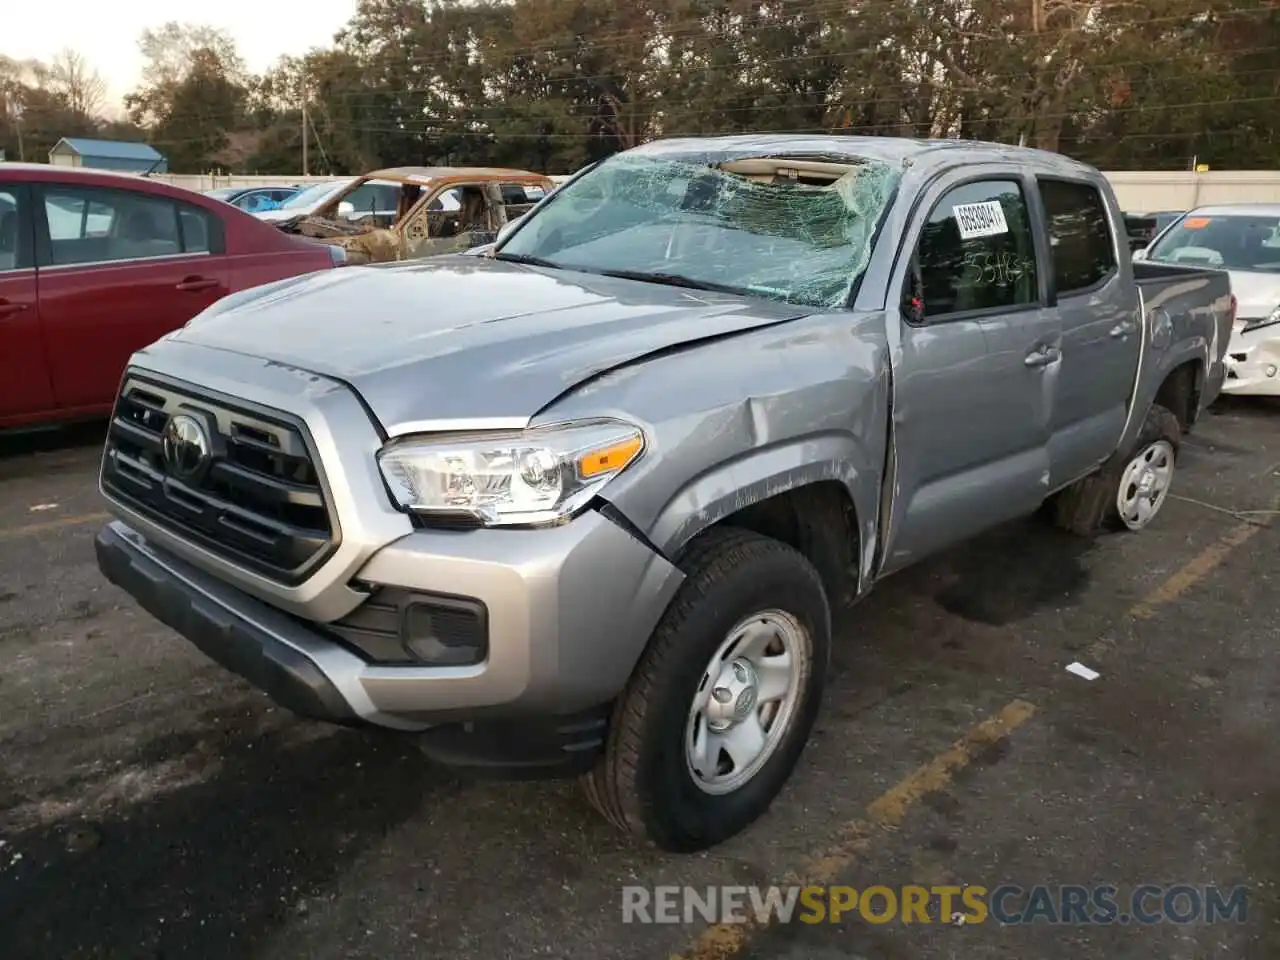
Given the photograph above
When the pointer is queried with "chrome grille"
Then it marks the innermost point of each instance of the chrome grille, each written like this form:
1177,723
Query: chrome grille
257,502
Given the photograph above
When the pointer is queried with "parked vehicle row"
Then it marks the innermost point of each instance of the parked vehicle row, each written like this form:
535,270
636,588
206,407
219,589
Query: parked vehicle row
420,211
94,266
253,199
1244,240
584,502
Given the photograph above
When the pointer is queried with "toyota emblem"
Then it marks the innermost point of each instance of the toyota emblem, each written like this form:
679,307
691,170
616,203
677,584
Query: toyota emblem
186,446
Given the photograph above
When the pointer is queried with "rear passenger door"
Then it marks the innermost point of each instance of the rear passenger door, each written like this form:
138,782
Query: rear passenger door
1101,328
973,379
519,198
118,270
24,376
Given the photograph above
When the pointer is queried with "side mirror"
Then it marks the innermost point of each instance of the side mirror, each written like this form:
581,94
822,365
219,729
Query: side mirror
346,210
1140,253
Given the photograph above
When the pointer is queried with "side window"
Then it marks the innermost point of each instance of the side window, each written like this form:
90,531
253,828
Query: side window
448,201
388,198
90,225
976,251
256,202
14,253
1079,234
201,232
518,198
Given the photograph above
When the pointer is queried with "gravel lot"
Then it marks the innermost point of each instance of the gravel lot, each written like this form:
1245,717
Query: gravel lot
151,805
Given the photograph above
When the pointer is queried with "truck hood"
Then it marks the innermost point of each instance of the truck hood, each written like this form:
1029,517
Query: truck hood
463,338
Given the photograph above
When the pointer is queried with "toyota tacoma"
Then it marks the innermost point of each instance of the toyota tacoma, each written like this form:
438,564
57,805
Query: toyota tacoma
585,502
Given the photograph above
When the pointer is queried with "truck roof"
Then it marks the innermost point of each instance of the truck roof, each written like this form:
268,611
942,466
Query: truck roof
893,150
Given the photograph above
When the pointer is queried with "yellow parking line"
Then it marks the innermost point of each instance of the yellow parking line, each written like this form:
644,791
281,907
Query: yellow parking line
1199,567
724,940
34,529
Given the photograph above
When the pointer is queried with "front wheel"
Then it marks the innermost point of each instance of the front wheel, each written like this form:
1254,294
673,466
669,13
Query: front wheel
723,700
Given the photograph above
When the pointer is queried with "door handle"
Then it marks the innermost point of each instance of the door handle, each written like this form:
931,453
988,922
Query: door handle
1122,329
198,283
1042,356
7,308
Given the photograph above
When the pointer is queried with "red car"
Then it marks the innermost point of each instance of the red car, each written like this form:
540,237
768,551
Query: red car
95,265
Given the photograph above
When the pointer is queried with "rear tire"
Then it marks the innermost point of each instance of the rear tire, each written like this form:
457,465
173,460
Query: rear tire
751,621
1128,493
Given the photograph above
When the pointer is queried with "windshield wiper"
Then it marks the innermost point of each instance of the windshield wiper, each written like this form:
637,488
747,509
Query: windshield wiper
672,280
527,259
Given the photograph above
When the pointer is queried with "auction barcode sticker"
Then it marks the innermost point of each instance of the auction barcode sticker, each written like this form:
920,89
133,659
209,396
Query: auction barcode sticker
984,219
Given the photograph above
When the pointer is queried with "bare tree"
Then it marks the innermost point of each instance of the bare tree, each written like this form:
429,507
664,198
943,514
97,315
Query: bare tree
168,52
74,78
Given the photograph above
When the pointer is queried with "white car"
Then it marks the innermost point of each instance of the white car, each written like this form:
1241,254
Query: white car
375,197
1244,240
305,201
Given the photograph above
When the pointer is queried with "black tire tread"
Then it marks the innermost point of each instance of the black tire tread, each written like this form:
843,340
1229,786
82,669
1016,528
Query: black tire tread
611,785
1086,507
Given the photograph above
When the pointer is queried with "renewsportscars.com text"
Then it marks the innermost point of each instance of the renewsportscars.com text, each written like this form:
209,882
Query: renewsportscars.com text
1006,904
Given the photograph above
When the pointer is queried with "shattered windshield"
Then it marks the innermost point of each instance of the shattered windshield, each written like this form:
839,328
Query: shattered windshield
788,229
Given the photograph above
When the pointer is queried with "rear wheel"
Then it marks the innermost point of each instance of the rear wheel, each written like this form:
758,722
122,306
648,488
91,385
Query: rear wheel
721,705
1129,493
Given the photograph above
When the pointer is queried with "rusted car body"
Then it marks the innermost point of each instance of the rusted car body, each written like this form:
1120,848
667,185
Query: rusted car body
438,210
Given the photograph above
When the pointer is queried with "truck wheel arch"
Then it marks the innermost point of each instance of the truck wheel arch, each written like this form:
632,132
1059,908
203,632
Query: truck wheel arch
818,507
1180,391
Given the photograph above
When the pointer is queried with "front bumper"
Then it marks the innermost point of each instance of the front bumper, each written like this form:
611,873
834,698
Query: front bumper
569,611
1253,363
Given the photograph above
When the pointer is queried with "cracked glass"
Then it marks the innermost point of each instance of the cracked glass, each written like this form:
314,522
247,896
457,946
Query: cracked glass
789,229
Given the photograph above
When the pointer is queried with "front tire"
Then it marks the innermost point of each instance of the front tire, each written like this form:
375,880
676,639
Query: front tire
721,705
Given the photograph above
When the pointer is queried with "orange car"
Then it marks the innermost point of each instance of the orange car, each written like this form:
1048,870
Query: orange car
439,210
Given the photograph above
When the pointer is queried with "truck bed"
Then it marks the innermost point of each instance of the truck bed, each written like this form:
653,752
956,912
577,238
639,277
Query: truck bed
1191,302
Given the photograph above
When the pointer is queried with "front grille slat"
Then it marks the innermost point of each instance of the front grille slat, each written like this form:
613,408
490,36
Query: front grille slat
258,503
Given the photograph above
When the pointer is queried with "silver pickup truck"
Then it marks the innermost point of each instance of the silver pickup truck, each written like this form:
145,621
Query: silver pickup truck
585,504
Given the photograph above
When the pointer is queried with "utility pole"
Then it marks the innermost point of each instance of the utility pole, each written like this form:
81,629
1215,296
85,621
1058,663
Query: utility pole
305,169
1037,27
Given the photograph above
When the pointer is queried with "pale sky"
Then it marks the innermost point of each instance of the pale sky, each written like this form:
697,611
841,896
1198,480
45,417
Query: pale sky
106,33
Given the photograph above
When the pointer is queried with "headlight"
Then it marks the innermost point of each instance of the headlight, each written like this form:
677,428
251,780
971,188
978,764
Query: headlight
535,476
1269,320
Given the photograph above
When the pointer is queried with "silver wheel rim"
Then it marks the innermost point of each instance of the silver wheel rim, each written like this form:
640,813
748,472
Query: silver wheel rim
746,700
1144,485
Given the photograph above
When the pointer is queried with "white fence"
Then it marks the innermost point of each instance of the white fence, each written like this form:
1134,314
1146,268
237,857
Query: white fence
1141,191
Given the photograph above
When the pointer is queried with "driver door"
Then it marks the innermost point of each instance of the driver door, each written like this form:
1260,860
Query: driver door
978,354
453,218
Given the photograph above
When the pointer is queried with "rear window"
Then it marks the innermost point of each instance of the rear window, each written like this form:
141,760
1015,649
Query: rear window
1084,253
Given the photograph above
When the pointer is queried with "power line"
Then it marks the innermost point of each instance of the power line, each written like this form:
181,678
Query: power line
625,41
804,131
666,106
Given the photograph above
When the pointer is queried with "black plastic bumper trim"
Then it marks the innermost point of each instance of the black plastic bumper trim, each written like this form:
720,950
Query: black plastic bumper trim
528,748
283,673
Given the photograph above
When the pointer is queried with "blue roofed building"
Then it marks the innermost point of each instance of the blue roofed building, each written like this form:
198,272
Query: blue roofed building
108,155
